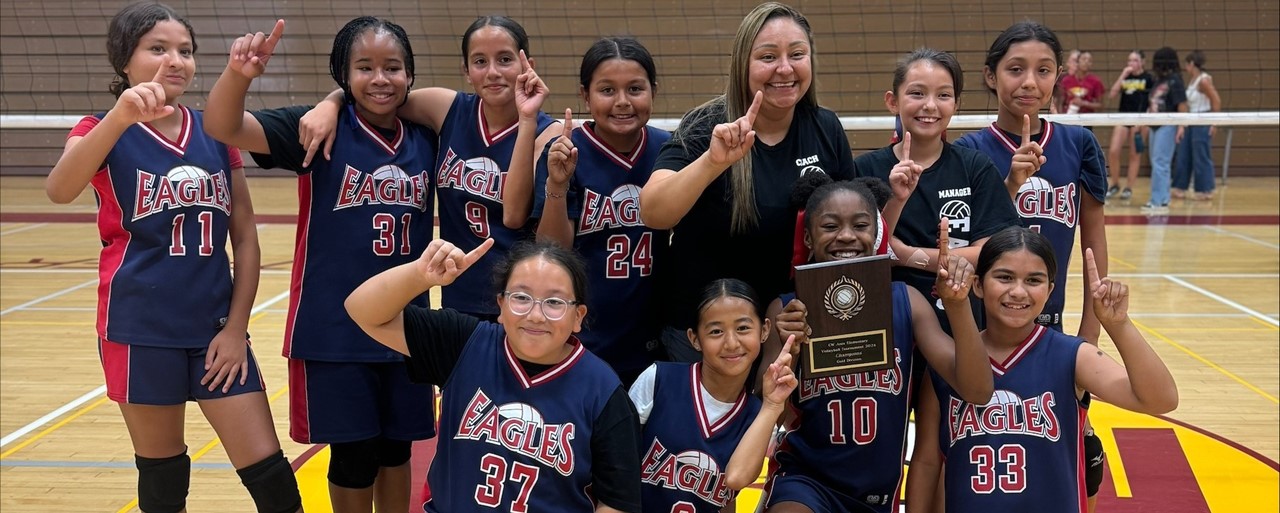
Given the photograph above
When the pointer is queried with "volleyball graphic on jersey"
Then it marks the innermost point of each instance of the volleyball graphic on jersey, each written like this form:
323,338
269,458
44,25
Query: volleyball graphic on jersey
181,173
485,164
520,411
698,459
1035,184
390,172
626,192
1003,397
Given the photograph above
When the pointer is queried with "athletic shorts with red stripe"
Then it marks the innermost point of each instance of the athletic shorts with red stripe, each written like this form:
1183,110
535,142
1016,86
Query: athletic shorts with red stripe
814,495
336,402
165,376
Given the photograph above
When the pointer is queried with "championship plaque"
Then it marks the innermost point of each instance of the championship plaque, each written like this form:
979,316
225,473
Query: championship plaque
850,305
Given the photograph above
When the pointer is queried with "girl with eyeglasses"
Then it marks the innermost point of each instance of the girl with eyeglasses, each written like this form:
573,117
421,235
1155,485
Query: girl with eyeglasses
530,418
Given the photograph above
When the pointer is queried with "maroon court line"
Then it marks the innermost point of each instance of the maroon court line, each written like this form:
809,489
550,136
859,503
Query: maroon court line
1131,219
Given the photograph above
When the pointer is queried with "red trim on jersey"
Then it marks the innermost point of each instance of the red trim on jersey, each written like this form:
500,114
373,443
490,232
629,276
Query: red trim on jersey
299,260
83,127
115,367
392,146
623,159
704,422
485,137
1082,490
1012,146
110,228
555,371
1023,348
299,410
179,146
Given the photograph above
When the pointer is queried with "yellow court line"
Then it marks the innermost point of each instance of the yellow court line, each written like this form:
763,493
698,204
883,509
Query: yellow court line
1215,330
1259,321
205,450
1205,361
1115,463
1122,262
83,410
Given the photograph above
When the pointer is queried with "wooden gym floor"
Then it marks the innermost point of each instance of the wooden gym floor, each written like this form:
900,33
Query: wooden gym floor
1205,281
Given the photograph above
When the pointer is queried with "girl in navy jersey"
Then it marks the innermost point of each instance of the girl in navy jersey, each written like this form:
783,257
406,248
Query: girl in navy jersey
169,198
863,418
363,209
586,196
704,434
1028,456
945,180
722,180
481,152
1055,173
531,420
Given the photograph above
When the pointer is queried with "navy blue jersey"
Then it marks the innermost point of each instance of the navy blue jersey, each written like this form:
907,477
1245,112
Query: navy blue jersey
517,442
620,252
858,418
1023,450
1049,202
164,210
685,454
470,171
366,210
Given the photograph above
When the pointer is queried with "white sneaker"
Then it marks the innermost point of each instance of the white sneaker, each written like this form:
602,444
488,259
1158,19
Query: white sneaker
1152,208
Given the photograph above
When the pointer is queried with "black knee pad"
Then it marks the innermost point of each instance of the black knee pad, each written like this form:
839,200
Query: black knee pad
353,464
1094,459
272,485
163,483
393,453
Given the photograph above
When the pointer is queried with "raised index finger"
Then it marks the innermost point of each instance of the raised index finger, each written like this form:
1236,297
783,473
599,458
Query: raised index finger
906,145
164,67
475,254
1091,266
944,240
276,33
524,62
754,108
568,124
1026,129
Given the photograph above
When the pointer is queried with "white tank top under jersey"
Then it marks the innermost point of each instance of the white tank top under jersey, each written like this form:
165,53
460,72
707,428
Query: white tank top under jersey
642,396
1196,100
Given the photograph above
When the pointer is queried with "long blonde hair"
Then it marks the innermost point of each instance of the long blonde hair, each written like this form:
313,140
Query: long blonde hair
737,99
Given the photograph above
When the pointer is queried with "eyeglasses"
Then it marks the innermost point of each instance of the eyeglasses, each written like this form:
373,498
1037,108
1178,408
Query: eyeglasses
553,308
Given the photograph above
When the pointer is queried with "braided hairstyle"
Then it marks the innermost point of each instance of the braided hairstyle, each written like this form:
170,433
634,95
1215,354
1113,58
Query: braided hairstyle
340,55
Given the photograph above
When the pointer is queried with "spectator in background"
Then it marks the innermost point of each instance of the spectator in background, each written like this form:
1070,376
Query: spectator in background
1082,91
1193,155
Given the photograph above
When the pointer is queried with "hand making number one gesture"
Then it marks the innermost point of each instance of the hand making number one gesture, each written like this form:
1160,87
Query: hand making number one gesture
780,379
955,273
562,157
1110,298
147,101
906,174
731,141
442,262
530,91
250,52
1027,159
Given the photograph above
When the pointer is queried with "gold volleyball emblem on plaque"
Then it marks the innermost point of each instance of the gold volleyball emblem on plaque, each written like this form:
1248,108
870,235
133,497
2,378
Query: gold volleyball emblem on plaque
844,298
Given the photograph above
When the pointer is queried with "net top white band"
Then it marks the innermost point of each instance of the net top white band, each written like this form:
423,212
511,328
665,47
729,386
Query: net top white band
958,122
